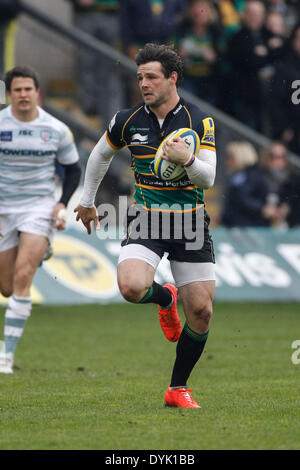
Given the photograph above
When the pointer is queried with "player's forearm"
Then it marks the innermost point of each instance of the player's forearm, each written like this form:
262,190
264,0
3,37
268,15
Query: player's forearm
97,166
202,170
71,181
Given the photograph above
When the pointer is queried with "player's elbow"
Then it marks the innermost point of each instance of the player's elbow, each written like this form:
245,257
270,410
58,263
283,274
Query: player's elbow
206,180
209,182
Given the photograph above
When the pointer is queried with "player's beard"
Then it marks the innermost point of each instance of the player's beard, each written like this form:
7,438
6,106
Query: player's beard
160,99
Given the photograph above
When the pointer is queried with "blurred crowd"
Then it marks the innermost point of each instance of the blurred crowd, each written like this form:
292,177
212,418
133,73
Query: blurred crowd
242,56
262,188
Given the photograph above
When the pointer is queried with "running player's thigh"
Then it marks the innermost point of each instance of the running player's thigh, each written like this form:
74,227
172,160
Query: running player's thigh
135,272
7,268
197,296
136,266
31,250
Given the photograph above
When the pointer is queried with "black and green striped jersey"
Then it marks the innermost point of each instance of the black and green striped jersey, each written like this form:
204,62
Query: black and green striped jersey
138,129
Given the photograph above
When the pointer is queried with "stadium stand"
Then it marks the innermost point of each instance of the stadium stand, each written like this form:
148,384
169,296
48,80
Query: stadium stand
53,24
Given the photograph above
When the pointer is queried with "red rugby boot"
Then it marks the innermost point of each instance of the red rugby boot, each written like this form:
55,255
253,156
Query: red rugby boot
180,397
169,320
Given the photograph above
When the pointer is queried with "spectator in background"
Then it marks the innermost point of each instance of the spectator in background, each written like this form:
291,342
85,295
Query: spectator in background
290,200
241,208
148,21
229,18
9,10
250,50
100,89
252,198
197,45
285,99
275,24
289,10
275,168
276,172
230,13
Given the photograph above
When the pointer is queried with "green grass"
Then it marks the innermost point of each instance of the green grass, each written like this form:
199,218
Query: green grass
94,377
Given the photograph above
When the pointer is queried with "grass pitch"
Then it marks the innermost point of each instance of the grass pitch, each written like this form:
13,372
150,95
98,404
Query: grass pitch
94,377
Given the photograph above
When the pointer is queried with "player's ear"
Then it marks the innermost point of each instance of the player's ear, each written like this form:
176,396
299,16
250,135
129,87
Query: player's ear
39,97
174,77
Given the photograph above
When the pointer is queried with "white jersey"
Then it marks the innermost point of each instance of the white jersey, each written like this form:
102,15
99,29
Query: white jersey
28,151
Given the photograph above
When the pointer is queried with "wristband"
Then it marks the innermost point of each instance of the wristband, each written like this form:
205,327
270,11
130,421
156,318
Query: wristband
190,160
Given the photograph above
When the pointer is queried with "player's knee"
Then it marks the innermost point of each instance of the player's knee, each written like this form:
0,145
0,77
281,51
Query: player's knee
132,292
6,291
202,317
23,276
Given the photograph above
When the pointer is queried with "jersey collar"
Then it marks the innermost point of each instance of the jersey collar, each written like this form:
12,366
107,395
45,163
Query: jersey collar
174,111
26,123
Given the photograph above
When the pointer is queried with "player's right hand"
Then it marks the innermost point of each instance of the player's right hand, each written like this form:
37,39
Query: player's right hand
87,215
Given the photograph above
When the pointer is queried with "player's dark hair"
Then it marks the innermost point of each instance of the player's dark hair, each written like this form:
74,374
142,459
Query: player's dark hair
21,71
165,54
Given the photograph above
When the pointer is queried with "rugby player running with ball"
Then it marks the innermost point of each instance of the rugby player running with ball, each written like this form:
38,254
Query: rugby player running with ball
142,128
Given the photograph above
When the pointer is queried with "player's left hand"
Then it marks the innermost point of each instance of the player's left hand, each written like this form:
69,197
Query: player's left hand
176,151
60,216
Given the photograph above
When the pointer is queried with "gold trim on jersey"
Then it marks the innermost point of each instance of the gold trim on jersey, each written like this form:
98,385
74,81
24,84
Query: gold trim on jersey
188,116
123,128
110,143
144,156
208,147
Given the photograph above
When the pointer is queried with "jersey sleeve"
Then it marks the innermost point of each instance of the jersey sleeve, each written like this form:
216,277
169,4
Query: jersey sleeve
67,152
206,131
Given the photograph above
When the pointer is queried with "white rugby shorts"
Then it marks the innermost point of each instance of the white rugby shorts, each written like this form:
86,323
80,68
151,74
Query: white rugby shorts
183,273
38,221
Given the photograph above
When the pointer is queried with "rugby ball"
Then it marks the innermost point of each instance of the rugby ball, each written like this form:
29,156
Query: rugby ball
169,171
